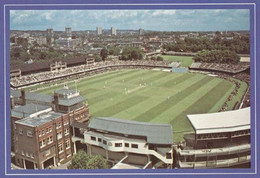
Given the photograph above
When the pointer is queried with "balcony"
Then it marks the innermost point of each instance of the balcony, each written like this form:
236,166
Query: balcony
142,148
215,151
216,163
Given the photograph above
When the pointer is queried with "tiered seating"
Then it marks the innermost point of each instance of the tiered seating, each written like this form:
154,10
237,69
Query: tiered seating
175,64
195,65
43,76
231,68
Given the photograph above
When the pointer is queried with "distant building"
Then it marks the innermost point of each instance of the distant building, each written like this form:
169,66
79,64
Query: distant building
113,31
41,40
16,73
25,35
49,36
29,61
68,42
99,30
141,31
68,32
193,35
49,33
58,66
220,140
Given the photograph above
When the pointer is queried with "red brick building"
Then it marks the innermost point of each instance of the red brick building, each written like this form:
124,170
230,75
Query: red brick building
41,133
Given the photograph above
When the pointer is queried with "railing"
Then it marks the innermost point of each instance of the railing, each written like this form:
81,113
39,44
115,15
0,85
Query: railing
216,163
28,83
75,138
159,156
132,150
215,151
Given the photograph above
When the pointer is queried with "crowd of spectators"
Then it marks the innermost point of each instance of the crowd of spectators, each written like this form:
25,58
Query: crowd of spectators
99,67
230,68
232,94
243,76
246,78
175,64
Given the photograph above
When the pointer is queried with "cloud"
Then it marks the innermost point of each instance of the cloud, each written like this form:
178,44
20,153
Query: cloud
166,20
163,12
48,15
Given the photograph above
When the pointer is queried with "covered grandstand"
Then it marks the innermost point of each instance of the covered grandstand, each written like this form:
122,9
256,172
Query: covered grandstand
219,140
130,144
217,67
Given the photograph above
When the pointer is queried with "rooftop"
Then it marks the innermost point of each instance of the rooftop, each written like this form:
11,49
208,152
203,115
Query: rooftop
33,67
71,101
228,121
15,93
27,110
65,91
155,133
39,119
38,97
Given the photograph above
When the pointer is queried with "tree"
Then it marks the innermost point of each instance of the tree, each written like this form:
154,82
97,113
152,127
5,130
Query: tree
96,162
97,58
132,53
216,56
159,58
113,50
104,53
83,161
79,160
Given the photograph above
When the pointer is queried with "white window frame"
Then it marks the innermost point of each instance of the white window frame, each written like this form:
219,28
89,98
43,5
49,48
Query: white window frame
59,135
67,141
66,122
47,152
29,133
42,143
48,139
67,131
21,131
60,145
58,125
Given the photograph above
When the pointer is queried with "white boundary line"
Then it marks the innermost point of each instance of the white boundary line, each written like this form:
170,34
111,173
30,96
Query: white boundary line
141,4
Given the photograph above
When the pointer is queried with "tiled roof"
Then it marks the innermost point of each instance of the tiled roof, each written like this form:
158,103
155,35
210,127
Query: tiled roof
155,133
71,101
26,110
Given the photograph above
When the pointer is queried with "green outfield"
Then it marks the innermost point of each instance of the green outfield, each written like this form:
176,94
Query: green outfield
152,96
186,61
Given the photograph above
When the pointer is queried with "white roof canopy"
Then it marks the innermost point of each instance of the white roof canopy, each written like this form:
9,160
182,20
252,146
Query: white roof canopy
228,121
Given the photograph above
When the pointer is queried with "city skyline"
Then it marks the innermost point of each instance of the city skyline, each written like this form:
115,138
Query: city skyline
156,20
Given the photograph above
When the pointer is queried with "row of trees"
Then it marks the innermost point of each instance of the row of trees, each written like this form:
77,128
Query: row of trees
240,45
132,53
128,53
83,161
216,56
18,55
158,58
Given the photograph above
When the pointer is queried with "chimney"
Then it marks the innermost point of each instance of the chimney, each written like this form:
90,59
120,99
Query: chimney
23,97
56,102
12,102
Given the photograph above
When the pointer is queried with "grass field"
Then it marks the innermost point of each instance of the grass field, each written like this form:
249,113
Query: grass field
166,97
186,61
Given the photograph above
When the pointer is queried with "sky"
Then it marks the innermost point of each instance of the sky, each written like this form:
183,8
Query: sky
158,20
